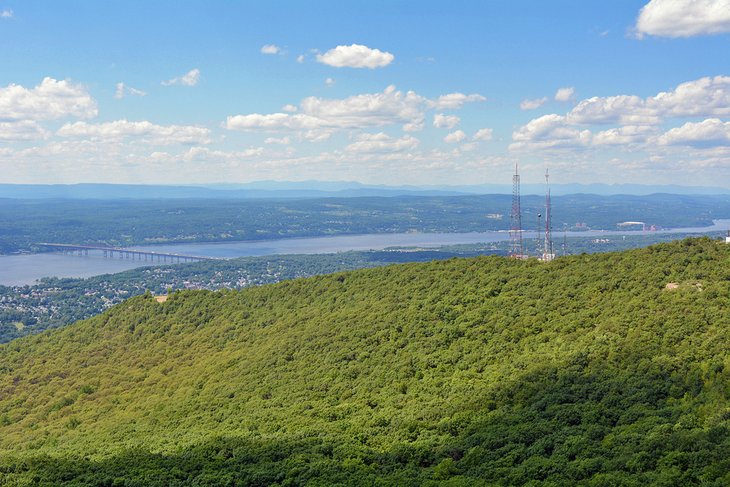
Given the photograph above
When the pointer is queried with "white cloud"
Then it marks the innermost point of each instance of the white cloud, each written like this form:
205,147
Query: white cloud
708,133
358,111
413,126
483,134
191,78
316,135
549,131
629,134
623,109
50,100
454,101
270,49
380,142
318,118
532,104
565,94
280,141
6,14
204,154
300,58
329,82
273,121
455,137
445,121
123,89
143,131
702,97
355,56
637,119
683,18
23,130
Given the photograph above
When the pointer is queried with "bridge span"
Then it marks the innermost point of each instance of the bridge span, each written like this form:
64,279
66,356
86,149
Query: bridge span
125,253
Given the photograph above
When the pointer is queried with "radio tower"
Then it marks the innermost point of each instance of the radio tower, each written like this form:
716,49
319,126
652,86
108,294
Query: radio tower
548,254
515,233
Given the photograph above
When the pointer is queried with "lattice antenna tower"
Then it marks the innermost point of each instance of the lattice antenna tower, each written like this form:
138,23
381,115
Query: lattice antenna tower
548,249
515,233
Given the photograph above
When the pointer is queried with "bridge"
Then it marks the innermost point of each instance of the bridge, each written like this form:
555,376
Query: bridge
125,253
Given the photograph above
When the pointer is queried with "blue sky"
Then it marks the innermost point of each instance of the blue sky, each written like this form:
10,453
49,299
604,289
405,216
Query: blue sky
379,92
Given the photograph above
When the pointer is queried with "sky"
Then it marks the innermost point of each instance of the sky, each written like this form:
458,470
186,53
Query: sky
380,92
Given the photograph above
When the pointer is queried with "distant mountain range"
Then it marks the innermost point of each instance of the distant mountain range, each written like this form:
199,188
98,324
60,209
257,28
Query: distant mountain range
319,189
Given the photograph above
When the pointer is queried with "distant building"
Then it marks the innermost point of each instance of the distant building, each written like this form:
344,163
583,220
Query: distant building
727,238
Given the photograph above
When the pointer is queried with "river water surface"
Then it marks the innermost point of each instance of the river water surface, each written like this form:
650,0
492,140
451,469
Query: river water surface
26,269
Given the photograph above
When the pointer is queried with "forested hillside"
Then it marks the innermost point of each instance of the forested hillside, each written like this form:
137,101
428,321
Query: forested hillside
604,369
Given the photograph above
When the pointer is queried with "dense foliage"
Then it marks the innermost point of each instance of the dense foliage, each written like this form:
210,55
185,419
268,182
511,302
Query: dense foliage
55,302
24,223
603,369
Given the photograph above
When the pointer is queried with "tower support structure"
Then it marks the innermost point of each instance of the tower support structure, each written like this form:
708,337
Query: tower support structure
548,251
515,233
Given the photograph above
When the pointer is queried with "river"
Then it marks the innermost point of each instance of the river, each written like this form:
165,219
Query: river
26,269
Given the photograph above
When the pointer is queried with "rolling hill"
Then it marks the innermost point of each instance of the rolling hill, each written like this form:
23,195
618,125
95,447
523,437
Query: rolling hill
604,369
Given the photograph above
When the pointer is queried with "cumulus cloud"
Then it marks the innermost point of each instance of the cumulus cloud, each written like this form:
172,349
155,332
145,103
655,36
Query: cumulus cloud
623,109
637,118
355,56
565,94
532,104
708,133
142,131
629,134
483,134
702,97
454,101
123,90
316,135
191,78
6,14
445,121
300,58
683,18
358,111
329,81
416,126
50,100
270,49
22,130
316,118
273,121
280,141
204,154
549,131
381,142
455,137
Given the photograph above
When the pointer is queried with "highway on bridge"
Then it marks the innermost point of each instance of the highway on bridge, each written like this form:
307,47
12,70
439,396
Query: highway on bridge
109,252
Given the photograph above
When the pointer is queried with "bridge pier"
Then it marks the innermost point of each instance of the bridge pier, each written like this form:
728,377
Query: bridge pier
124,254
